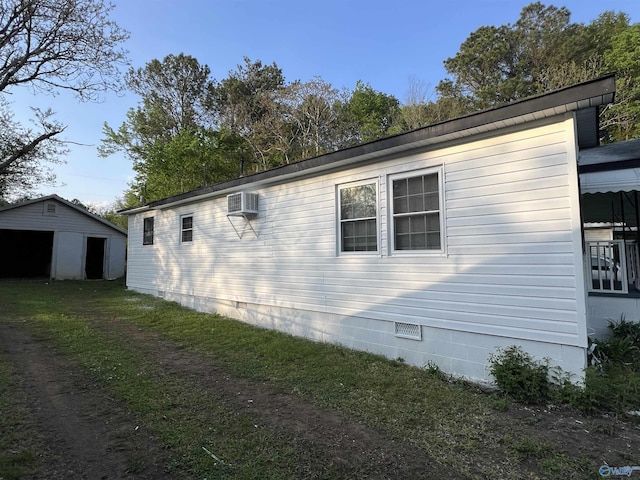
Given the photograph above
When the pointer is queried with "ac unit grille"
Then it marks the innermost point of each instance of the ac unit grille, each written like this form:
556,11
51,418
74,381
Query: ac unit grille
242,203
408,330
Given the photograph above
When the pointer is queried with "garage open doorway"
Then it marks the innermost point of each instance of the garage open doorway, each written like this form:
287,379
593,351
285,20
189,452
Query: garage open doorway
94,262
25,253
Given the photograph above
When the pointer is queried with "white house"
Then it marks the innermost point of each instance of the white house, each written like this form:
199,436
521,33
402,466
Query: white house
437,245
52,238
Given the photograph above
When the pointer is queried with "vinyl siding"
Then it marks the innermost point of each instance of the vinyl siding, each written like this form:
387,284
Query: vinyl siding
508,268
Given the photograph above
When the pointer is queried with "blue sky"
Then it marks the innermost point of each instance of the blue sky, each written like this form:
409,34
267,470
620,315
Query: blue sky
385,44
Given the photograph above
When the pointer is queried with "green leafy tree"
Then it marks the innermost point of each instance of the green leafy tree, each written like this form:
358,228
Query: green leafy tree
622,119
51,45
190,159
169,136
544,51
368,115
173,92
497,65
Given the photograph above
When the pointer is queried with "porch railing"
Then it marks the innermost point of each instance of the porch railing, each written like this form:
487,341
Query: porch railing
633,264
613,266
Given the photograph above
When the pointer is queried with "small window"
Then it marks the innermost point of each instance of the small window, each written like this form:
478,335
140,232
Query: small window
51,208
186,234
416,210
358,218
147,238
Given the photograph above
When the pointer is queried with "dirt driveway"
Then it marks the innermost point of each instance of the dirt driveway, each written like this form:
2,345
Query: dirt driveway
84,433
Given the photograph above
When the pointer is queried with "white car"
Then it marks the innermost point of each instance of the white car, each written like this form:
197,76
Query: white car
605,268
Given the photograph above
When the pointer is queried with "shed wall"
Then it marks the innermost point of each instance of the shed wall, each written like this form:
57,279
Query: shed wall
71,229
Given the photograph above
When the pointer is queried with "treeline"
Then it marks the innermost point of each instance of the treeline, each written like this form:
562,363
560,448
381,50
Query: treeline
191,130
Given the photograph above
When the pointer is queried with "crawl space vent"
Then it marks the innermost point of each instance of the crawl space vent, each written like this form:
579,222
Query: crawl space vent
408,330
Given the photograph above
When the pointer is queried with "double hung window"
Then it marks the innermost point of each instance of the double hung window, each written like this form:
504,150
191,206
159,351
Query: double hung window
358,211
416,211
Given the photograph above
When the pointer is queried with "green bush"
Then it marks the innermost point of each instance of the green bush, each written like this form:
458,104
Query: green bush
613,383
622,348
519,375
624,328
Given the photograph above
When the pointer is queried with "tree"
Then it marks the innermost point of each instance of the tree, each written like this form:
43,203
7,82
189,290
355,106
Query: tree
544,51
169,136
52,45
497,65
420,110
622,119
191,159
306,122
369,114
173,93
245,102
23,151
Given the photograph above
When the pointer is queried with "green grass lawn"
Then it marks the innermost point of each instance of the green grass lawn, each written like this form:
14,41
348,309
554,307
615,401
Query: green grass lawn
453,423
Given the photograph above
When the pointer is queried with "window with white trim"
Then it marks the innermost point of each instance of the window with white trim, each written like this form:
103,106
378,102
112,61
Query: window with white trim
358,212
416,211
147,235
186,228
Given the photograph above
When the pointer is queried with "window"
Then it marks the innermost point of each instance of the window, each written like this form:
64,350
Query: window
416,211
147,238
358,218
186,228
51,208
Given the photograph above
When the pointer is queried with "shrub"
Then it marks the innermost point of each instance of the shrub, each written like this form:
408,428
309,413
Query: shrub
613,385
624,328
519,375
622,348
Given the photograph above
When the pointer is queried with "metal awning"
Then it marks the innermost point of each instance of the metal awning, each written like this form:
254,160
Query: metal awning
626,180
610,168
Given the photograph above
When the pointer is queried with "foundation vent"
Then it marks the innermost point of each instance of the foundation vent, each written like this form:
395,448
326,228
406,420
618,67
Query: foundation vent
408,330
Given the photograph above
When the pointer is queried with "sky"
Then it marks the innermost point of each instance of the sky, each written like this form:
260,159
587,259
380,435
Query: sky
388,45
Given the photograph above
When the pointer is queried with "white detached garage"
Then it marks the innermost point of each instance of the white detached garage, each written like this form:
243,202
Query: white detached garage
52,238
436,245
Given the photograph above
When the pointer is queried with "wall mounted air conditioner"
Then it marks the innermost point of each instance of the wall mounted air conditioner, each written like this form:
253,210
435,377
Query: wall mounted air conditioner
242,203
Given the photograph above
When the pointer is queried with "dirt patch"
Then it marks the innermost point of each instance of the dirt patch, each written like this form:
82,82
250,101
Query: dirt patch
342,439
84,433
603,439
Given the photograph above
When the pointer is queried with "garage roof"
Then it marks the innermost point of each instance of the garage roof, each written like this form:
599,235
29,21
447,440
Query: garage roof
82,210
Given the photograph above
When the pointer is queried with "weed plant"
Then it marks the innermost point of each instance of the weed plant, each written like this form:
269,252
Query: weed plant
519,375
611,383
